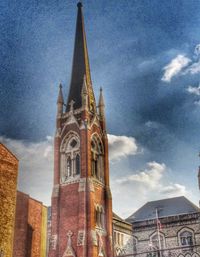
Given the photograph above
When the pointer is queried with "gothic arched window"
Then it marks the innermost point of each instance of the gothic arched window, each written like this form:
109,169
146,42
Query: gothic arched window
77,164
186,238
157,241
70,157
69,167
97,159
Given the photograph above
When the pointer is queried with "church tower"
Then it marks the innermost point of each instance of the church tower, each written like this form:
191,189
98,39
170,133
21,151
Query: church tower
81,214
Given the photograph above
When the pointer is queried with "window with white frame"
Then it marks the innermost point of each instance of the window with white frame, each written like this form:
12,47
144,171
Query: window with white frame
70,157
186,238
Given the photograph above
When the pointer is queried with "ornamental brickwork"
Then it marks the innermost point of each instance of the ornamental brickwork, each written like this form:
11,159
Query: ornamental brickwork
8,186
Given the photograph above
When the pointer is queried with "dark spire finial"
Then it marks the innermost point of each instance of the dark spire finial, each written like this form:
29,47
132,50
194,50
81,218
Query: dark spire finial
60,95
79,5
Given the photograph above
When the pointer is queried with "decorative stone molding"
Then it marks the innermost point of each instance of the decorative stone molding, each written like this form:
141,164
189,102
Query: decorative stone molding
94,237
97,182
95,121
100,246
82,126
101,231
55,192
69,250
71,134
81,238
71,180
90,185
53,242
82,185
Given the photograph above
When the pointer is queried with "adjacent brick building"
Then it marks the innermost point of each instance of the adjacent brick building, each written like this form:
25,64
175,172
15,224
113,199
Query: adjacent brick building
8,186
30,234
81,213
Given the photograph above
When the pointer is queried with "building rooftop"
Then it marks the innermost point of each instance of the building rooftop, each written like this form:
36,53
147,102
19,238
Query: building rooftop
165,207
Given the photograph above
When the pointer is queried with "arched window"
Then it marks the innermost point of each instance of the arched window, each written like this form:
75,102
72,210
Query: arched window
157,241
70,157
97,159
99,216
77,164
69,167
186,238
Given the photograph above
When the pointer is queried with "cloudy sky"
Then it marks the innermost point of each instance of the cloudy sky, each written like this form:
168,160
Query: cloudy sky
146,56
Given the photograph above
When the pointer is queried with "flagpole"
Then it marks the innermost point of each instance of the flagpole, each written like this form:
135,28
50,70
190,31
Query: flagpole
158,231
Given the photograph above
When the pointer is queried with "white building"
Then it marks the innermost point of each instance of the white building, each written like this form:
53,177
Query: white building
169,227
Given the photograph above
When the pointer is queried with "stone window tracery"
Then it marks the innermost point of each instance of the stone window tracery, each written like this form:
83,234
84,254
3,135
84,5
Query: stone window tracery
97,159
70,157
69,167
77,164
186,238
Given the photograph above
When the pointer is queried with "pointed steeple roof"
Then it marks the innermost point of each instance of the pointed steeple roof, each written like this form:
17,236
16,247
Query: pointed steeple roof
60,95
80,66
101,98
101,104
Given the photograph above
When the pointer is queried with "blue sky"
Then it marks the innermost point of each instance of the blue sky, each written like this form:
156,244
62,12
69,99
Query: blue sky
145,55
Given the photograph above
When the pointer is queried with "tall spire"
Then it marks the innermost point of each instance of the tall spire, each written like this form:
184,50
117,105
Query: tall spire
80,66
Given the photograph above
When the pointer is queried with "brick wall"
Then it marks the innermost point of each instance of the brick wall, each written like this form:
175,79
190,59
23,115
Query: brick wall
8,185
30,227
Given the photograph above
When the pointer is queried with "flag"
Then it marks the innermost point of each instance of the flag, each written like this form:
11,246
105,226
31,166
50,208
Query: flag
159,225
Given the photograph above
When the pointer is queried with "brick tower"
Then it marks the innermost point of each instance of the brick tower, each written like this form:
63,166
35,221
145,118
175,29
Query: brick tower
81,218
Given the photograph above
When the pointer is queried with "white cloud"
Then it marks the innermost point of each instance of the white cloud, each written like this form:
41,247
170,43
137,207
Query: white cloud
36,162
35,166
194,90
121,146
143,185
174,190
193,69
149,177
175,67
129,191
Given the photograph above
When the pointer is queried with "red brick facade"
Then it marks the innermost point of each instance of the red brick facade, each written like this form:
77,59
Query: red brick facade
81,214
29,232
